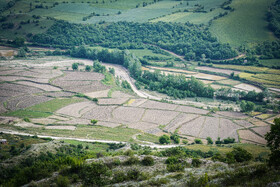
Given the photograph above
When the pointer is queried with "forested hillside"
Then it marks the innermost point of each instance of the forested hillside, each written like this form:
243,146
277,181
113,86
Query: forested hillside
188,40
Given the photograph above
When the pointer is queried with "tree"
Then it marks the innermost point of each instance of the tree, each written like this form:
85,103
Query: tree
273,142
18,42
209,140
21,52
75,66
247,106
88,68
198,141
164,139
241,155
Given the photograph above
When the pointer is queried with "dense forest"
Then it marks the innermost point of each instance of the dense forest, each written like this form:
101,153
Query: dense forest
189,40
273,18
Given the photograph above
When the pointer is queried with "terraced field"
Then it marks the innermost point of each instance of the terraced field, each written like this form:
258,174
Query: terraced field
53,109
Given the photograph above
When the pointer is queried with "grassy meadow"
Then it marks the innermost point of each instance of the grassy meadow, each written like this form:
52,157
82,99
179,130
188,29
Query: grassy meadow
246,24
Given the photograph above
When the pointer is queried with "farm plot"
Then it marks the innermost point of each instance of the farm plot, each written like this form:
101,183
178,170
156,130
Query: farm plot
19,88
77,109
262,130
158,105
2,108
84,76
244,123
128,114
232,114
119,94
45,87
112,101
103,113
248,135
10,72
160,117
75,121
58,94
17,78
247,87
25,101
218,86
271,120
98,94
108,124
83,86
193,127
210,128
172,70
189,109
179,120
229,82
154,131
224,71
67,84
207,76
228,129
136,102
72,128
143,126
25,124
44,121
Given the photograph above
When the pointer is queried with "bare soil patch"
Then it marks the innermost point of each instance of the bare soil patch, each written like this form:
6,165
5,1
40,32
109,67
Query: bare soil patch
244,123
207,76
119,94
102,113
75,121
128,114
210,128
262,130
112,101
98,94
77,109
257,122
144,126
193,127
25,124
44,121
108,124
45,87
158,105
136,102
250,137
76,75
160,117
224,71
61,127
59,94
189,109
228,129
232,114
179,120
247,87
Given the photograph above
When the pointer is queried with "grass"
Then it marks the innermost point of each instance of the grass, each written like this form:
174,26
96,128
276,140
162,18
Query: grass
251,69
148,138
92,147
245,25
196,18
268,83
264,116
90,132
229,82
44,109
140,53
252,148
270,62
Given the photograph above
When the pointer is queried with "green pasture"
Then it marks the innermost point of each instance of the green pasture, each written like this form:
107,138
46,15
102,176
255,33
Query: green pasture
246,24
192,17
43,109
140,53
270,62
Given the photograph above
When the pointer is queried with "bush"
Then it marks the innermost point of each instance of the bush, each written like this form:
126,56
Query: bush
26,119
198,141
209,141
62,181
148,161
175,138
164,139
93,121
88,68
131,161
241,155
175,167
133,174
185,141
75,66
119,176
196,162
171,160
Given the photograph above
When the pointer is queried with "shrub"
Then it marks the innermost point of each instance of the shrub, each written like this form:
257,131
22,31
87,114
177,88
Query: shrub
196,162
93,121
129,152
75,66
175,167
185,141
26,119
175,138
95,174
241,155
135,146
148,161
132,160
88,68
62,181
119,176
171,160
164,139
198,141
133,174
209,141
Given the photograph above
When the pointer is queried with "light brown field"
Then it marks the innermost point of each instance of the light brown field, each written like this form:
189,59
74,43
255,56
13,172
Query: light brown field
44,87
77,109
143,126
232,114
262,130
128,114
193,127
243,123
72,128
98,94
158,105
248,135
136,102
75,121
207,76
257,122
102,113
179,120
172,70
161,117
224,71
247,87
107,124
112,101
228,129
189,109
210,128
